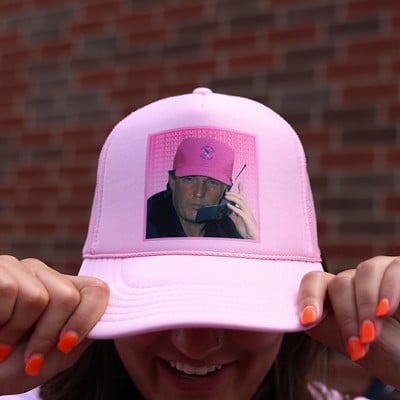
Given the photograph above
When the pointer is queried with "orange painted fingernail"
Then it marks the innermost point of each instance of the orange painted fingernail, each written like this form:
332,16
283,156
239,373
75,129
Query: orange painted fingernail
67,342
383,308
355,348
5,351
367,332
34,364
308,315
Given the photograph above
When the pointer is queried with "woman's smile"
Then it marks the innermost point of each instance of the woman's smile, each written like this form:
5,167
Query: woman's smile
199,363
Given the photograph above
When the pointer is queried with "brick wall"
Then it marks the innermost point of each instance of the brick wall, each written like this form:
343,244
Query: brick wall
69,70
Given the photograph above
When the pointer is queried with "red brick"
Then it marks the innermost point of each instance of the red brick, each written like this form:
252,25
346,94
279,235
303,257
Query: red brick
323,227
42,192
396,66
394,112
196,67
392,249
342,249
147,37
143,73
251,61
77,228
13,6
47,3
172,89
76,212
103,8
292,34
29,138
41,228
138,20
98,78
373,48
6,105
10,40
371,92
88,135
9,227
315,138
393,157
87,27
12,122
11,88
347,160
396,21
280,2
360,7
57,48
88,154
130,97
235,42
8,192
16,57
392,203
340,71
75,172
29,211
32,175
184,12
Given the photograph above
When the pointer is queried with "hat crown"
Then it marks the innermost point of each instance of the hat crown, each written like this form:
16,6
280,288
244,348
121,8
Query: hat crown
140,150
159,283
204,156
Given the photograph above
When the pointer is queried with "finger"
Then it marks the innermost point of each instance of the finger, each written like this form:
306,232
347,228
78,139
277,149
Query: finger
64,298
31,300
342,297
367,284
237,209
8,295
390,288
94,301
82,301
312,296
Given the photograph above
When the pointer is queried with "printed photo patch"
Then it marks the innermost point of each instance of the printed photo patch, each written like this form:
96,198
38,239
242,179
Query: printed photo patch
202,182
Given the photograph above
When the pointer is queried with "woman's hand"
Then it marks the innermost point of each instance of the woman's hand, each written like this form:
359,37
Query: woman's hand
44,319
363,318
242,215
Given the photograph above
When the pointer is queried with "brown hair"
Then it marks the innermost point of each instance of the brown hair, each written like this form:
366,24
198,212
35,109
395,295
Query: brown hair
100,374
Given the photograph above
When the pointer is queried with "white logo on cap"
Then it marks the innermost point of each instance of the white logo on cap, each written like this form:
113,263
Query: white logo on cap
207,152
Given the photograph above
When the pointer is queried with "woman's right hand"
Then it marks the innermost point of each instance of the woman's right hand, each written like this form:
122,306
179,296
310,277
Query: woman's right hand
44,319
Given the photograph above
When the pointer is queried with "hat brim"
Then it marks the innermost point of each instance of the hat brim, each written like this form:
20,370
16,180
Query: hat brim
156,293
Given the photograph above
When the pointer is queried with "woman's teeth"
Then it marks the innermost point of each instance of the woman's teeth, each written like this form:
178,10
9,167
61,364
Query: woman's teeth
192,370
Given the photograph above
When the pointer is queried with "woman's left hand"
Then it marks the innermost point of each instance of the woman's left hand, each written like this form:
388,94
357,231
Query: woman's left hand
363,318
242,215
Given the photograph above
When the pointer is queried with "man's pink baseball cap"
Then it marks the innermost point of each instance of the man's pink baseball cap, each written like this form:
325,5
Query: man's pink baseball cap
175,282
204,156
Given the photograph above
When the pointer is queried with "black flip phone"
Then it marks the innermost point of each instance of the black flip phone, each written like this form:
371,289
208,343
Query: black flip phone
213,213
219,211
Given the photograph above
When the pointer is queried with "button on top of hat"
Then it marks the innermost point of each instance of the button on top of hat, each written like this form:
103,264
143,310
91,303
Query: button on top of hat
202,90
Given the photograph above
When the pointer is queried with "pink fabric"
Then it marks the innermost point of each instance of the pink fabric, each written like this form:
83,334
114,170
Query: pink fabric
320,392
31,395
204,156
186,281
329,394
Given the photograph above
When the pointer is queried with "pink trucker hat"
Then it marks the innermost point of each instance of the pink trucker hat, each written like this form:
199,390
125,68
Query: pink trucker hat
225,278
204,156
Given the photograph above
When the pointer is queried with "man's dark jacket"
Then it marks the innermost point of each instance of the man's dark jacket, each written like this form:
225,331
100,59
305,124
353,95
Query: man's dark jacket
162,220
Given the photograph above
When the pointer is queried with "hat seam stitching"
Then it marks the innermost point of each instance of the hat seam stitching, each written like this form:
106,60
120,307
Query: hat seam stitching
272,257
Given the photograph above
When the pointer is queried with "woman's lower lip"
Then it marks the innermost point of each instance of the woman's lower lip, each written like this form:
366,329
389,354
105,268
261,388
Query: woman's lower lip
194,383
